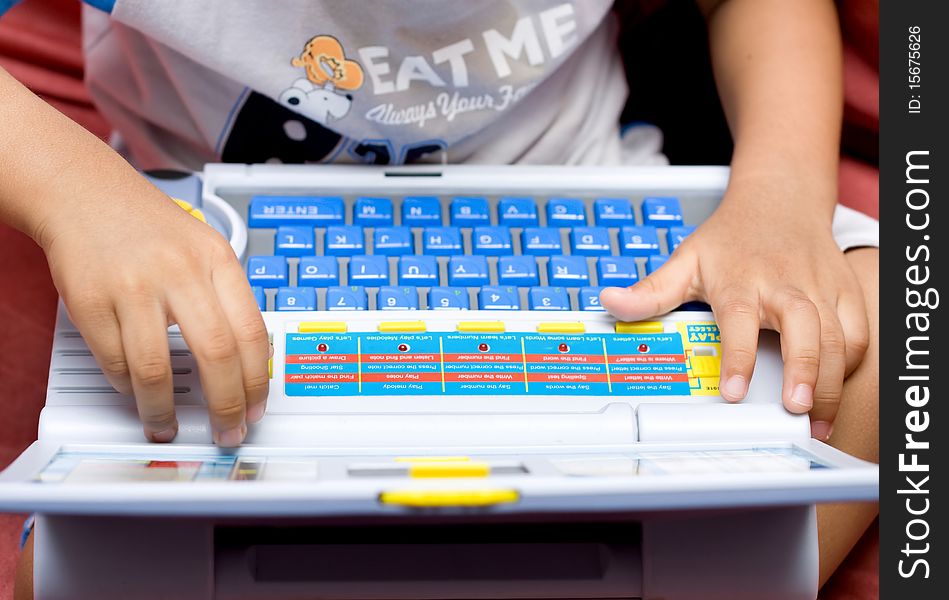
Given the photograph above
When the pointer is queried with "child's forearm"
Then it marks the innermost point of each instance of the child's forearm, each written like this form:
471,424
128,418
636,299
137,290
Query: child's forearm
778,68
45,159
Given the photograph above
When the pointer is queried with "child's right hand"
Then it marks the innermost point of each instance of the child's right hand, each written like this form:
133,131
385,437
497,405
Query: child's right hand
128,262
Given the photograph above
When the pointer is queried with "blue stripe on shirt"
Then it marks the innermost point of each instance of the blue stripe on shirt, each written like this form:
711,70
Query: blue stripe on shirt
6,5
103,5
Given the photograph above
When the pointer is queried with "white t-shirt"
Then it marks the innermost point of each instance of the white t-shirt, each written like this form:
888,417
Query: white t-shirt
384,82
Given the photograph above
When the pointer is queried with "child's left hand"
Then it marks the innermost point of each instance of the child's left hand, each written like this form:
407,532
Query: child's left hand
761,261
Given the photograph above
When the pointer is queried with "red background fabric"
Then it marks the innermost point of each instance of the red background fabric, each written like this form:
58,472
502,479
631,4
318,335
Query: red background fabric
40,45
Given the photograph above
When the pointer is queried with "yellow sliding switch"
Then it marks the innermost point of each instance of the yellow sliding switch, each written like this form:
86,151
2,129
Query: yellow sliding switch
449,498
564,327
402,326
322,327
449,469
705,366
481,327
640,327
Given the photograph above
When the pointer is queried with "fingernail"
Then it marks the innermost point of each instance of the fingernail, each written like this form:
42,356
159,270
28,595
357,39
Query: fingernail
803,396
231,437
256,412
821,430
735,388
165,435
271,350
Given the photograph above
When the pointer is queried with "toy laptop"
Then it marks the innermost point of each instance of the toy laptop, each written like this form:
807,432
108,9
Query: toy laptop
451,414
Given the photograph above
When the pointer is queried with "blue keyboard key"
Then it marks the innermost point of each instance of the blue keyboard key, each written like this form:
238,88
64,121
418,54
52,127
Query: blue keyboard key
344,240
421,271
268,271
397,298
590,241
568,271
517,212
618,271
613,212
565,212
313,211
469,212
421,211
541,241
590,299
294,240
676,235
448,298
368,270
518,271
372,212
548,298
499,298
392,241
441,241
318,271
346,298
491,241
296,298
469,271
662,212
639,241
260,297
654,262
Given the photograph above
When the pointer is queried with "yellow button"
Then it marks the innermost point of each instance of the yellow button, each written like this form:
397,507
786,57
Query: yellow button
322,327
640,327
481,326
565,327
183,204
402,326
415,459
449,469
706,366
448,498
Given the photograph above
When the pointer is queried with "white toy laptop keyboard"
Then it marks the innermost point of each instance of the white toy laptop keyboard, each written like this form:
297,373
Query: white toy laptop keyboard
440,352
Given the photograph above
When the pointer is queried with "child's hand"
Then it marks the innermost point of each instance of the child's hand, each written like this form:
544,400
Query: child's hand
762,262
128,263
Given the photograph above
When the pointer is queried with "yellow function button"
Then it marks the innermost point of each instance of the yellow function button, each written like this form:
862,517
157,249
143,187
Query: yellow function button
706,366
449,469
183,204
429,459
322,327
448,498
481,327
565,327
402,326
197,213
640,327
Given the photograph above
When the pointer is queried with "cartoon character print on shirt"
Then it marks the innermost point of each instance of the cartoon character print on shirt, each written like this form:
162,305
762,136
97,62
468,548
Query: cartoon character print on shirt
320,96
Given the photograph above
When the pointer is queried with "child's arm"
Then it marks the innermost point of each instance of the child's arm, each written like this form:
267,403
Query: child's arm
128,262
766,258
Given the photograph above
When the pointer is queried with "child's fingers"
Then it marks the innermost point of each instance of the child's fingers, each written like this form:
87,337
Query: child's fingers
101,332
833,367
737,313
852,312
242,312
211,339
657,294
798,321
145,339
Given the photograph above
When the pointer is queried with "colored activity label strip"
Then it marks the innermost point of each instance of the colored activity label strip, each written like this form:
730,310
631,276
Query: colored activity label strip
379,364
